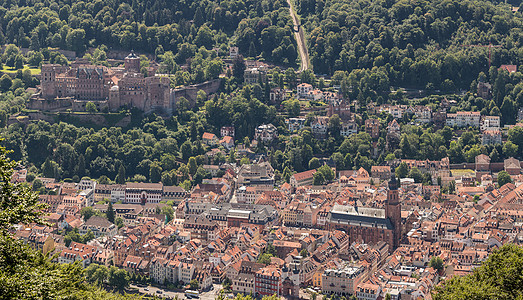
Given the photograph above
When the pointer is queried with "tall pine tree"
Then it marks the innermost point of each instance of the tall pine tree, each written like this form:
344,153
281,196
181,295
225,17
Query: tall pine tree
110,212
120,178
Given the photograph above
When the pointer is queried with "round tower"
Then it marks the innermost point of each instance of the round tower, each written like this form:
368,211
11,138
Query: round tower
132,63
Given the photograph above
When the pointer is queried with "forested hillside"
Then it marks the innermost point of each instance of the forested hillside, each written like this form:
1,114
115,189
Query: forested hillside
413,43
499,277
154,26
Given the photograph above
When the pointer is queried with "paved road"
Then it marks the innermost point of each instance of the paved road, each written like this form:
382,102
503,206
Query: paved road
210,295
300,39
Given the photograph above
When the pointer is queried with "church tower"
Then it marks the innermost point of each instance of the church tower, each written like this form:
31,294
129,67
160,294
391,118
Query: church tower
393,210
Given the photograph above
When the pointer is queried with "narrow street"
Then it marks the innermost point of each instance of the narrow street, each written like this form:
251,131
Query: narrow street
300,39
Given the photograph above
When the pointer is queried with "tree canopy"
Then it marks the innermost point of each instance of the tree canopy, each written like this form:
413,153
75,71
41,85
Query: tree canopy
499,277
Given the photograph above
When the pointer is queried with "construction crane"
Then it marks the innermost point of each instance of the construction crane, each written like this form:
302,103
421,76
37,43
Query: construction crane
489,46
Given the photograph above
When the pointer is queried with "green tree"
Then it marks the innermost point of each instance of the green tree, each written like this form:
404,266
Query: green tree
304,253
318,178
265,259
194,284
95,273
5,82
76,40
90,107
227,283
186,150
504,178
119,222
327,172
293,107
87,213
416,175
155,172
437,263
334,125
494,279
168,211
314,163
120,178
118,278
402,170
290,78
110,212
193,166
510,149
238,67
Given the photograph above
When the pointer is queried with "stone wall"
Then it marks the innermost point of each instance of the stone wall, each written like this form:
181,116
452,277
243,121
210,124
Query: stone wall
190,92
81,119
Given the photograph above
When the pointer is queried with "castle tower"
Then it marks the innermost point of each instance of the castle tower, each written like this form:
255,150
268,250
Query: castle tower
132,63
48,81
114,98
393,210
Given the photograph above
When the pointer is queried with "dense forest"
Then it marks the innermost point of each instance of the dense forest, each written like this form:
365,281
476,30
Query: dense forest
259,28
421,44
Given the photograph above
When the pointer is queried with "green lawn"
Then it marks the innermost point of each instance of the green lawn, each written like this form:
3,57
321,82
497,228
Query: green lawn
34,71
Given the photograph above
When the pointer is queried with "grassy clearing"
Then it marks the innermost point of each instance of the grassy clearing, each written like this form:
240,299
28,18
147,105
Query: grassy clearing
9,70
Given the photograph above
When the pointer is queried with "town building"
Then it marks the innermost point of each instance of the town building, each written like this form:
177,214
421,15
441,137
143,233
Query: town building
343,281
302,178
266,133
99,226
295,124
319,127
303,90
277,95
255,75
490,123
77,252
227,131
484,90
372,127
268,282
141,193
348,128
464,119
210,139
491,137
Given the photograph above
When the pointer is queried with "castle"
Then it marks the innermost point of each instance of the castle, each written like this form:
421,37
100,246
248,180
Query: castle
108,88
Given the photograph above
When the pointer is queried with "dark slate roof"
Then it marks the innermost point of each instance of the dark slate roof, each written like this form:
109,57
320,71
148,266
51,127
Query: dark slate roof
359,216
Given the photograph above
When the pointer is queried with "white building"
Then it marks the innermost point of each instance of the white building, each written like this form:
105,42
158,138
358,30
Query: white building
266,133
464,119
368,291
348,129
88,194
295,124
87,184
118,193
246,194
423,113
490,123
303,90
99,226
78,252
141,193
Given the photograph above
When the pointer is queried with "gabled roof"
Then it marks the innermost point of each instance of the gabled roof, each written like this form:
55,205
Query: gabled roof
208,136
